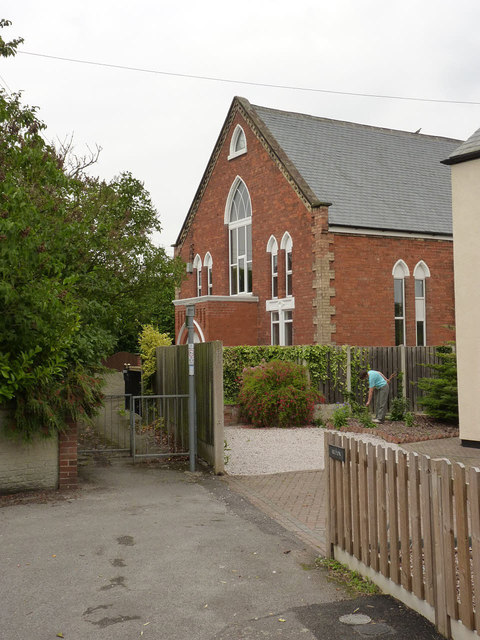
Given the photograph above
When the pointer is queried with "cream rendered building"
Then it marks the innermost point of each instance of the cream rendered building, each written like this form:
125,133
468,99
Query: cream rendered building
465,164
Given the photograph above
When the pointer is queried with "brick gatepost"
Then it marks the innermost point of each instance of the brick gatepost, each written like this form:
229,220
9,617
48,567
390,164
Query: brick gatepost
68,457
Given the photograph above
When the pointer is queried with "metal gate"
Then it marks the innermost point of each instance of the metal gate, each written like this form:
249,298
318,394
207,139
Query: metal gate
139,426
109,431
159,426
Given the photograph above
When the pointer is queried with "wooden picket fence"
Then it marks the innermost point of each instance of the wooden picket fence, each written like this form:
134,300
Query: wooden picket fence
410,522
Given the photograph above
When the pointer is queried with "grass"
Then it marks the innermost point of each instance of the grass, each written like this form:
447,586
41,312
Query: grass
353,581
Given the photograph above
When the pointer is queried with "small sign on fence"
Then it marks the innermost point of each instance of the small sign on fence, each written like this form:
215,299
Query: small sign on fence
336,453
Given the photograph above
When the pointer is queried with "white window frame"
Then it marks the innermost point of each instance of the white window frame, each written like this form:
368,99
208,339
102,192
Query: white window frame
274,322
283,308
239,224
287,321
420,273
272,249
285,317
208,264
400,272
234,152
287,245
197,264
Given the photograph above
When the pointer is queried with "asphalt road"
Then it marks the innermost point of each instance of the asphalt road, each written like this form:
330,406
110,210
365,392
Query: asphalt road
148,552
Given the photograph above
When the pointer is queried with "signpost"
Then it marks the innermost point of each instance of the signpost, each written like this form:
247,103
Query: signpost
190,313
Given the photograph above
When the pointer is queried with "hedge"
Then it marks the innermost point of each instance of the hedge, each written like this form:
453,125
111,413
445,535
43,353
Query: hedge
323,362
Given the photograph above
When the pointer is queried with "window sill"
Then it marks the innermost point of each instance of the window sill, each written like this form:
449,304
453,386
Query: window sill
244,297
235,154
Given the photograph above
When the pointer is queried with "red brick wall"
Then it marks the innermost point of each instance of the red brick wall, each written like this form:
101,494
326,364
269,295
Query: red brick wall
276,208
363,301
342,285
234,323
68,458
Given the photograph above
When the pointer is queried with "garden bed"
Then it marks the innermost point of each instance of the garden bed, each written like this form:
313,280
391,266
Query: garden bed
424,428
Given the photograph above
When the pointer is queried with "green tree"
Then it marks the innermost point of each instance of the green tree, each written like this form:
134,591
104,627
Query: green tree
40,312
79,273
8,48
124,281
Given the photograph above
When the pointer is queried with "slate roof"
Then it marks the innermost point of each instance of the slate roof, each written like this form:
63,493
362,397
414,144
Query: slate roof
375,178
371,178
469,150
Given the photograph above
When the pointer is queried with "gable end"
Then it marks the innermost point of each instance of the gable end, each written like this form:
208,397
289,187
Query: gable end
268,142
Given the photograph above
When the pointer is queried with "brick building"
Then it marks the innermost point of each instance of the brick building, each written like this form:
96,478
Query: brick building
307,230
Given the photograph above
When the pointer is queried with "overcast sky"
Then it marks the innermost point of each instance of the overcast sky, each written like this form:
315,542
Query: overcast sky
163,128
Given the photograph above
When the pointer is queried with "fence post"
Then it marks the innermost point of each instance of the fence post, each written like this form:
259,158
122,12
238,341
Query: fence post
349,369
442,619
329,489
132,428
218,426
403,367
473,490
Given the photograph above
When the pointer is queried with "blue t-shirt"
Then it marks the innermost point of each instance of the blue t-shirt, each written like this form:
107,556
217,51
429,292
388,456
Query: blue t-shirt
376,380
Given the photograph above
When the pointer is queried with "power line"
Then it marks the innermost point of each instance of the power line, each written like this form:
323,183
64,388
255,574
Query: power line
4,83
246,82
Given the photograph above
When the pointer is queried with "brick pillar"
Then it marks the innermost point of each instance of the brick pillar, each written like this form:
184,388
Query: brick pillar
323,278
67,457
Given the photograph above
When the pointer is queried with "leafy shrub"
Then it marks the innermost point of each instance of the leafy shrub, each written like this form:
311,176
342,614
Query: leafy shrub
48,408
440,398
237,359
363,415
150,338
398,408
275,394
352,409
324,363
340,415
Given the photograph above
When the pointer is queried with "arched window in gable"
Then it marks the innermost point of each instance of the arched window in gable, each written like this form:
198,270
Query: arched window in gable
208,263
272,249
287,245
420,273
238,143
238,216
400,272
197,265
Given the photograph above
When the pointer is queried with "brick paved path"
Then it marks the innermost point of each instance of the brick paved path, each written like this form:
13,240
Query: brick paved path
296,500
449,448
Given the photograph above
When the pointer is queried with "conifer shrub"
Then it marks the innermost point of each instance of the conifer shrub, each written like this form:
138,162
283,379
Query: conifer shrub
277,394
440,393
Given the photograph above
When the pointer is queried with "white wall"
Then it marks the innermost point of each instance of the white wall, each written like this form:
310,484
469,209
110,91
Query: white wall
25,467
466,236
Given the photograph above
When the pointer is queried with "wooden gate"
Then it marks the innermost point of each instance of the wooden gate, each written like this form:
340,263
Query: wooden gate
172,378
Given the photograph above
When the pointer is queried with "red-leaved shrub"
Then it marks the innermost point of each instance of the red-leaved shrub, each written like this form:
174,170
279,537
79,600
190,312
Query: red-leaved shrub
277,394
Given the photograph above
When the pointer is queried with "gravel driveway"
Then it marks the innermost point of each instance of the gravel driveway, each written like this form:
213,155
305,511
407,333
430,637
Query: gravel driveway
254,452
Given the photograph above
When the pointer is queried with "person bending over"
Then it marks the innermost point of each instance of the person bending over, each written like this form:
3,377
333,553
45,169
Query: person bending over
378,384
